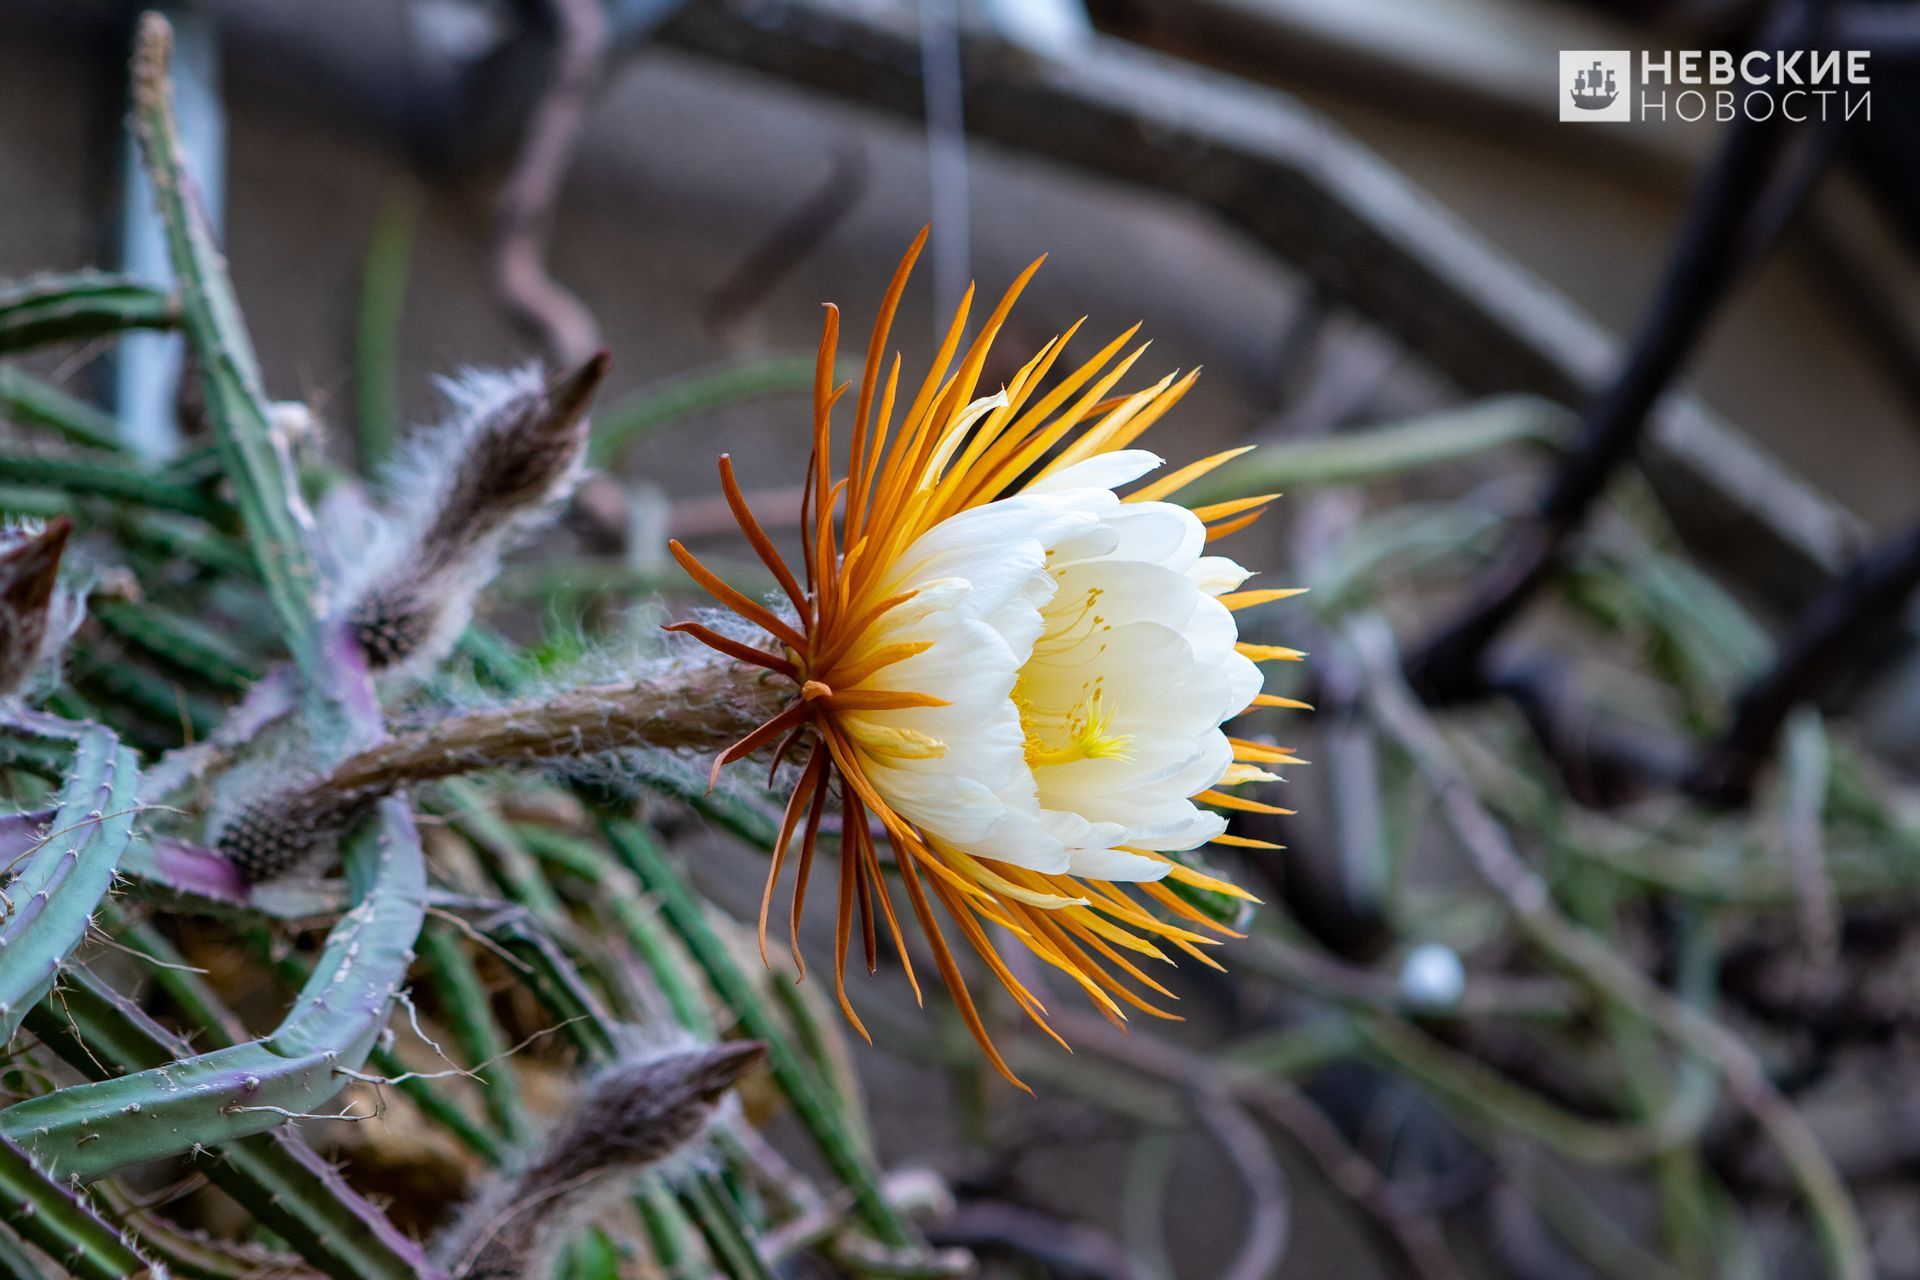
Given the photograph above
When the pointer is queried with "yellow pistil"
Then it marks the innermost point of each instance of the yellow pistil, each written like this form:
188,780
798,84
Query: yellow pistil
1090,736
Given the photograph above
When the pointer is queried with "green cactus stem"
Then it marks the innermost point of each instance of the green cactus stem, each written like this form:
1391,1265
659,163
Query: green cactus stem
15,1262
252,1087
810,1098
638,919
293,1191
31,402
78,307
236,400
627,423
62,1225
464,1000
190,647
122,480
51,902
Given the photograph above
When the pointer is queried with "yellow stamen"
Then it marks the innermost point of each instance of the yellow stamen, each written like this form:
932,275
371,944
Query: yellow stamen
1090,736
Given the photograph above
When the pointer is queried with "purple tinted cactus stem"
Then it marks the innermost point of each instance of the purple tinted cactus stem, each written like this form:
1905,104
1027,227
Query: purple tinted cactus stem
281,1180
20,835
63,875
198,870
90,1130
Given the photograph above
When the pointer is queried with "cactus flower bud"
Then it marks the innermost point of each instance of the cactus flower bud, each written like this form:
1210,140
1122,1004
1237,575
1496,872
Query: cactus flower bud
505,460
636,1113
36,614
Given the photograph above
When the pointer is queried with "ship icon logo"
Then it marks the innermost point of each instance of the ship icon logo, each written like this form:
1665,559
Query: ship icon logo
1596,84
1591,92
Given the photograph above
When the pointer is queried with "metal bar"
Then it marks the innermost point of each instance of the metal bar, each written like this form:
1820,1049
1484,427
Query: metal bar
147,366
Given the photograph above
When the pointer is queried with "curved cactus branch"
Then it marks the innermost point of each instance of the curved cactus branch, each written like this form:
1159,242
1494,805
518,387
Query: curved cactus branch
168,1109
283,1181
91,1130
65,873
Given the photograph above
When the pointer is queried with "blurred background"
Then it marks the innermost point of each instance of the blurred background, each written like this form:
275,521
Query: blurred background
1600,446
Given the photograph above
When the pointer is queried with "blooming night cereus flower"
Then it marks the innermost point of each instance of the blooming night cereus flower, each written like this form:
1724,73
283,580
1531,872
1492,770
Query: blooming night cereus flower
1017,671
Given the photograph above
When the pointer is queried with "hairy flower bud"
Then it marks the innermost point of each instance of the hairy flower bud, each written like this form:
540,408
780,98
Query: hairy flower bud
510,454
277,832
36,615
636,1113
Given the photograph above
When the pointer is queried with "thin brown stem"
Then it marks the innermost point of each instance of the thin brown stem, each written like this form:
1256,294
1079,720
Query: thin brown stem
523,218
696,705
699,706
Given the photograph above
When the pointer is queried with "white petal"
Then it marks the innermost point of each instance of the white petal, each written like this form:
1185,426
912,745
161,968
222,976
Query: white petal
1102,471
1112,864
1217,575
1087,666
1157,533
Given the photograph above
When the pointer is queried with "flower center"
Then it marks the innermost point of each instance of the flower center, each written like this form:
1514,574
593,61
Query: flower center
1084,733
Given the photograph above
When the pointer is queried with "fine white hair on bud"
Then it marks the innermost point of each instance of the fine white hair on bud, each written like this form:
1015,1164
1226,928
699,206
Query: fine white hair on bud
509,453
37,615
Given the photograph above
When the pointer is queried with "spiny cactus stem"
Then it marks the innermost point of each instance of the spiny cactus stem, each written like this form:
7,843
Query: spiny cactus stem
651,941
252,1087
256,459
64,879
692,704
32,402
696,705
62,1224
461,992
190,1251
706,1197
14,1260
669,1231
195,649
124,481
289,1187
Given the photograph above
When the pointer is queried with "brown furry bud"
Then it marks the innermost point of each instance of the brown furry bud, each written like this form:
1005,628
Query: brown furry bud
636,1113
277,832
510,454
36,616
